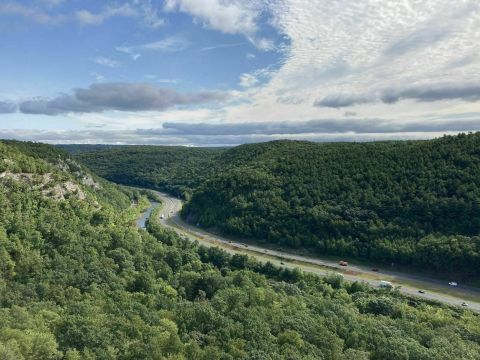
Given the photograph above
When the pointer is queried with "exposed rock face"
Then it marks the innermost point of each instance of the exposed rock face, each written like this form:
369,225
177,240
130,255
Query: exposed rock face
59,191
63,190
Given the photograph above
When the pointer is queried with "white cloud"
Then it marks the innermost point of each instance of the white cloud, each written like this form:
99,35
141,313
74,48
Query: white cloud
98,77
149,14
37,15
248,80
219,46
86,17
362,48
141,9
100,60
169,44
381,59
128,50
227,16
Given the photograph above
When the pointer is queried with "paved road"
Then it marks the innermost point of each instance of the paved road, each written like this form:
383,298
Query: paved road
435,289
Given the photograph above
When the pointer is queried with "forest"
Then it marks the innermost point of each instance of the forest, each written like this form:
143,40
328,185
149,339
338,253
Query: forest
411,203
78,280
175,169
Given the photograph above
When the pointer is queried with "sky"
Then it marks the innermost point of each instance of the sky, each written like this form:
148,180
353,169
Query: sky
227,72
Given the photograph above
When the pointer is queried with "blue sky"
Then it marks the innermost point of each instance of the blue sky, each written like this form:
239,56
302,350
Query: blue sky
224,72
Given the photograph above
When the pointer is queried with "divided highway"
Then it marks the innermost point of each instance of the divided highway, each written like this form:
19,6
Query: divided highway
434,289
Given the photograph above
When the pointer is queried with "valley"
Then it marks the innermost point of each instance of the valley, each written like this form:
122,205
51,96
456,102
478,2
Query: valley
433,289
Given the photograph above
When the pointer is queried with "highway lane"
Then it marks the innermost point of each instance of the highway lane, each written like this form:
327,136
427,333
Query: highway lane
409,284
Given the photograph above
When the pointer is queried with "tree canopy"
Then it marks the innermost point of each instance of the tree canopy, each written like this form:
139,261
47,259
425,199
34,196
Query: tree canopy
78,280
411,202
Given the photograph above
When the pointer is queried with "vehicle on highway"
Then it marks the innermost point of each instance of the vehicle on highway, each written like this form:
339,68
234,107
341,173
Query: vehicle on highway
375,269
448,299
162,216
452,283
343,263
385,284
464,304
421,291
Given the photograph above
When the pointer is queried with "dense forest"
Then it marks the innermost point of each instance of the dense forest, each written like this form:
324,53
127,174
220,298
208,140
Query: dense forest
407,202
175,169
78,280
413,202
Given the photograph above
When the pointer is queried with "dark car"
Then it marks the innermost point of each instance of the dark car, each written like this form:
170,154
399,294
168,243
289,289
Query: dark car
421,291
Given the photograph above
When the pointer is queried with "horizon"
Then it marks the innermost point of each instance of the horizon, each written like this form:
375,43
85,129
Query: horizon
220,73
366,141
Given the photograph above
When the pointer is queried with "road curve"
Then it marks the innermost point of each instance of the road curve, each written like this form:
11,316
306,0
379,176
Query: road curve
435,289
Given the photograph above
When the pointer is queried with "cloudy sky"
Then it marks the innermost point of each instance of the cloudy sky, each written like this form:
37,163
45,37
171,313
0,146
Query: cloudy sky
225,72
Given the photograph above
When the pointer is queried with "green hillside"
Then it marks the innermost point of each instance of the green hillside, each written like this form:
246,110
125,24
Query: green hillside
414,202
177,170
78,280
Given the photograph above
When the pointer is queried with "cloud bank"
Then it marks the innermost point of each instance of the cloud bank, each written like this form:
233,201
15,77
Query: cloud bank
424,93
117,96
7,107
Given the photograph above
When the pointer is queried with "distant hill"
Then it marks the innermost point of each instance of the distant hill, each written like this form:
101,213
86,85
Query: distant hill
412,202
175,169
80,148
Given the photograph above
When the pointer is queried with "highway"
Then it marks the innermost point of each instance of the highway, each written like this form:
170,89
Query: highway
434,289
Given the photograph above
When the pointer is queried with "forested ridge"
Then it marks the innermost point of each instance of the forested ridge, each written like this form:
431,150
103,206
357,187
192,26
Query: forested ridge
78,280
413,202
175,169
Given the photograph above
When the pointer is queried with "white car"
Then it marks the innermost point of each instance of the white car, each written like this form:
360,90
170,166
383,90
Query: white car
385,284
452,283
464,304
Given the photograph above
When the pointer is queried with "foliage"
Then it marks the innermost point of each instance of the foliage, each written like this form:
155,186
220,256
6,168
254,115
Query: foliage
79,281
177,170
413,203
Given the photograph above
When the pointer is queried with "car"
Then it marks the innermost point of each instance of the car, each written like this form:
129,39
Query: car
375,269
421,291
464,304
282,263
452,283
343,263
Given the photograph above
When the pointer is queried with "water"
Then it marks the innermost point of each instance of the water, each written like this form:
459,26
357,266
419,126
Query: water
143,219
